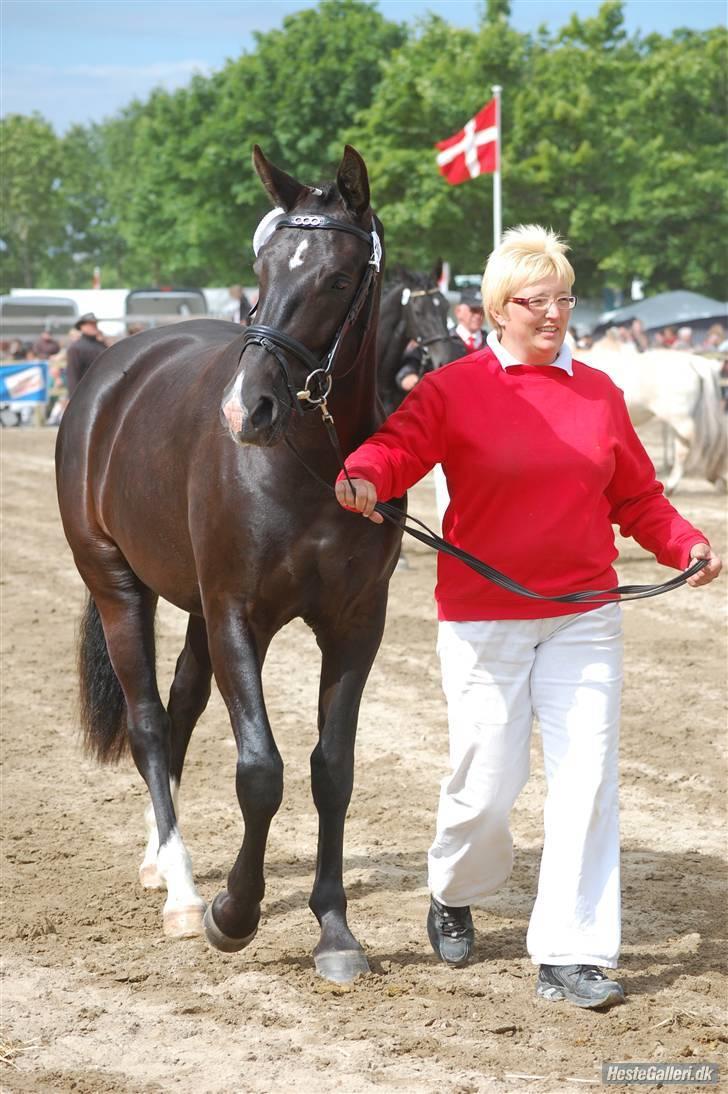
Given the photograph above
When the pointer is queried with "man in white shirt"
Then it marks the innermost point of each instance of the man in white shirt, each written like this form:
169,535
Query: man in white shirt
470,316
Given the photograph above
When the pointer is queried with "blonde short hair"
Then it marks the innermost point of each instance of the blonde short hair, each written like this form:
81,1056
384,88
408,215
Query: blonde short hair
526,254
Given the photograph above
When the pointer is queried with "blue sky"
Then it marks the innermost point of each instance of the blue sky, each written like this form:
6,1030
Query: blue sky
82,60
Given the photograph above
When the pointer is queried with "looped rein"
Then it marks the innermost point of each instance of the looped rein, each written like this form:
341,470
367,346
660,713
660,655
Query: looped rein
584,596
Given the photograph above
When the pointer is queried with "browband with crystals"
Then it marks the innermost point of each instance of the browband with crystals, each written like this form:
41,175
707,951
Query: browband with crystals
277,218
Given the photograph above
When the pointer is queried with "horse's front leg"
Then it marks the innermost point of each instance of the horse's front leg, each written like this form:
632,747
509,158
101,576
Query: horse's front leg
346,661
231,921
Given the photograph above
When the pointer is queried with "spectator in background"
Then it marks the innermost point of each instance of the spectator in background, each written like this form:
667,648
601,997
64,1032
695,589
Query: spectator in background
684,340
238,306
469,317
84,351
668,337
639,338
46,346
19,350
714,339
624,334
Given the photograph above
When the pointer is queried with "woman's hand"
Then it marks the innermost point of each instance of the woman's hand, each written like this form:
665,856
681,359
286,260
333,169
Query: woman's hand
363,502
711,571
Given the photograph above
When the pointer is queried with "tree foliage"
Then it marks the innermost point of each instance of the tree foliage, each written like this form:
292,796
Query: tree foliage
618,142
31,222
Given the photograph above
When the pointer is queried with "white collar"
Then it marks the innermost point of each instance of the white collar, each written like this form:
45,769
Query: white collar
465,335
563,359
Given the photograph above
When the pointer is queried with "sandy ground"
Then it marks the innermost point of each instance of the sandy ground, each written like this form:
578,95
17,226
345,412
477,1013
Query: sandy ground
95,1000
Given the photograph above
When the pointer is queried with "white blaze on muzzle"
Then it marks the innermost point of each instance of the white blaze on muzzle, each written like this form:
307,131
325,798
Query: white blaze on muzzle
233,410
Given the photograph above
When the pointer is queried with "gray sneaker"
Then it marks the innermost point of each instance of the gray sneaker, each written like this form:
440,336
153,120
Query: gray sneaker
583,985
451,933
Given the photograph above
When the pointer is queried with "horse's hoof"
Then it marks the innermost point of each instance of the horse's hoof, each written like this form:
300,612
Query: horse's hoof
150,877
341,966
184,922
221,941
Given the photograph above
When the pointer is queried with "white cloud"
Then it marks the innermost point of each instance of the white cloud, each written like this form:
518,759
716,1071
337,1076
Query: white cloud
161,71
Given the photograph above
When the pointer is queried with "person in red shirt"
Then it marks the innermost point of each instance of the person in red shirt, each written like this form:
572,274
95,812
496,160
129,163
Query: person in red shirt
541,460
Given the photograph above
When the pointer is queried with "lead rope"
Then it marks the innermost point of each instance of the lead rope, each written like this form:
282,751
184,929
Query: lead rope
431,539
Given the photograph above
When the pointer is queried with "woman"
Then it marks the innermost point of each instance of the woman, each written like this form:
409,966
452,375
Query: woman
540,459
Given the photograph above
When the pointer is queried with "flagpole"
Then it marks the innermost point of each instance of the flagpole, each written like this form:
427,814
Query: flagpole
497,224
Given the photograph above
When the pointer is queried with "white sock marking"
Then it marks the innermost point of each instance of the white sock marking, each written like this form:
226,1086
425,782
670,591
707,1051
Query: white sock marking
175,866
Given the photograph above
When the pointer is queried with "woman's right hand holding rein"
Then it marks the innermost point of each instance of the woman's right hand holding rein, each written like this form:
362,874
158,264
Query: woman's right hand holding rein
363,501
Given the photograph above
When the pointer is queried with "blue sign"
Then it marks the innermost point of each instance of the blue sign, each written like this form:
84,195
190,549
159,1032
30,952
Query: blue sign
24,383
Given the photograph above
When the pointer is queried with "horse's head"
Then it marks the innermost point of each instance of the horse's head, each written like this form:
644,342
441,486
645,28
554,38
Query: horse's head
424,312
423,315
318,260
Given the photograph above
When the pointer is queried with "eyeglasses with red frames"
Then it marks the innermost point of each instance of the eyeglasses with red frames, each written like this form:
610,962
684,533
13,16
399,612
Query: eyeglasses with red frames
539,305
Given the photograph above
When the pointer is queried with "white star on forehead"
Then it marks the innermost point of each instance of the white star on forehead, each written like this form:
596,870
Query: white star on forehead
297,259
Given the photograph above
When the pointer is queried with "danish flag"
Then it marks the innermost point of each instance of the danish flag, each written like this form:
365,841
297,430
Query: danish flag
474,150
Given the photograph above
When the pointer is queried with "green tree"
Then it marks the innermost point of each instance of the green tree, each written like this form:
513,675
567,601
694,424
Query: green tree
31,223
90,235
180,164
674,214
570,150
430,87
619,144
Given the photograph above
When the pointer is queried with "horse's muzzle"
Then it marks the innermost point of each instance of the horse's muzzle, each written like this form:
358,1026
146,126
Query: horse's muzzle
260,426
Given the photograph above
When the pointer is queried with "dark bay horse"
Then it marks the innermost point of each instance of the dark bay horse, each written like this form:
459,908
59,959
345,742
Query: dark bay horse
186,469
413,310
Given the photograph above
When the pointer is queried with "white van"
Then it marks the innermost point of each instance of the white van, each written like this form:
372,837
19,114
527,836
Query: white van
26,317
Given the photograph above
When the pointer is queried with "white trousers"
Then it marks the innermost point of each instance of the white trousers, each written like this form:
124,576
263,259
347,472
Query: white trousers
496,676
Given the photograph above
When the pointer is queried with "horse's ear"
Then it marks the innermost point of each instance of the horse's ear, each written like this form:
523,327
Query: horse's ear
353,181
282,188
437,271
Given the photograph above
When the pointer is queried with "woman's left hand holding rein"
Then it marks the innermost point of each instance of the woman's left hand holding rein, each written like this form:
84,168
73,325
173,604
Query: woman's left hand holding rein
709,572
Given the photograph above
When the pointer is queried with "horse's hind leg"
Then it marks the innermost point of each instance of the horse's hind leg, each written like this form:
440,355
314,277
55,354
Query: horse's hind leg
127,608
346,661
188,698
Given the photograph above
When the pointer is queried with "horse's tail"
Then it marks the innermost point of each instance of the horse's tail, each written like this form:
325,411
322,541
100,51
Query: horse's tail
103,708
709,452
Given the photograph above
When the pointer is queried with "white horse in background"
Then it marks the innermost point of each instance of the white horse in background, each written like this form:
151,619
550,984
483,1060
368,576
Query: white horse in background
680,389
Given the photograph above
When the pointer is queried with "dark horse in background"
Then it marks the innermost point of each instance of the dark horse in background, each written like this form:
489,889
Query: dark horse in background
187,467
413,310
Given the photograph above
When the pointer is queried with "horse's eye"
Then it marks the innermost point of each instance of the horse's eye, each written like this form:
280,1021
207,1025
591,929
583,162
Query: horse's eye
341,283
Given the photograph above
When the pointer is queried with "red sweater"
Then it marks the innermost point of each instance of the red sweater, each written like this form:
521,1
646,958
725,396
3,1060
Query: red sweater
539,465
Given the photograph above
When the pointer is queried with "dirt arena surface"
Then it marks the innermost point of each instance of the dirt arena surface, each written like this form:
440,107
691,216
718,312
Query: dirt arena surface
96,1001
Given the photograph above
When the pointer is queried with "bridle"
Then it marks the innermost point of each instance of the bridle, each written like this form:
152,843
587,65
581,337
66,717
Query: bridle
408,295
277,343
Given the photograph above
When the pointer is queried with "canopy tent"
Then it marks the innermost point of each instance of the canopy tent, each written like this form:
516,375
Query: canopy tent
667,309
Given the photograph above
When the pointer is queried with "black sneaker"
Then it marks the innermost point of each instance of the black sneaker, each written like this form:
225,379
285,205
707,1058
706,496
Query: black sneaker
584,985
451,933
